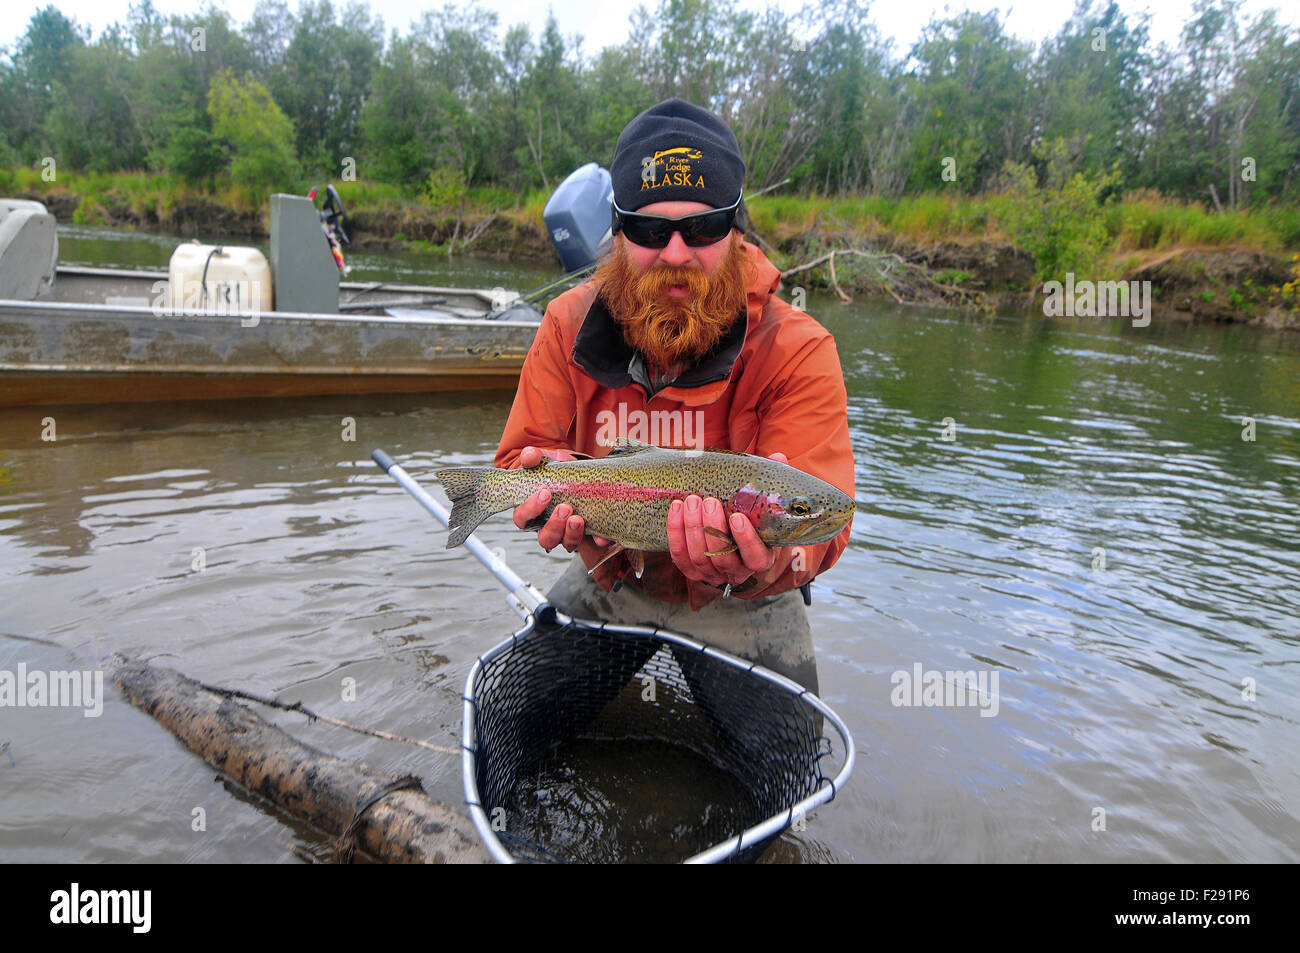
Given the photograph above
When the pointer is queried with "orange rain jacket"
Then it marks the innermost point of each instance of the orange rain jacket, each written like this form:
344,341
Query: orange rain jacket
773,384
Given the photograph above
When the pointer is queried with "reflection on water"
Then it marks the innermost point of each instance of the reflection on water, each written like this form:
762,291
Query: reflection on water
1097,532
607,802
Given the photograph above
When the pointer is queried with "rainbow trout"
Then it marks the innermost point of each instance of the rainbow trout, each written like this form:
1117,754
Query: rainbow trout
625,496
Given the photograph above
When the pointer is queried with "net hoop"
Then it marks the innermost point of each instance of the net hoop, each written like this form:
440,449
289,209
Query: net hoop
719,852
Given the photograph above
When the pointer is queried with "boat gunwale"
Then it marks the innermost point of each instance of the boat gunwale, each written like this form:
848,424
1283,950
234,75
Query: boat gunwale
36,308
445,369
92,271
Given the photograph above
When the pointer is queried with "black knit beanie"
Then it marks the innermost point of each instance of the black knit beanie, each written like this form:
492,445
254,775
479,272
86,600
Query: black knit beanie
675,151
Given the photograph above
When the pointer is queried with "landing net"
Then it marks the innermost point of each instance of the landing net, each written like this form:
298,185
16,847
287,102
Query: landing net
591,742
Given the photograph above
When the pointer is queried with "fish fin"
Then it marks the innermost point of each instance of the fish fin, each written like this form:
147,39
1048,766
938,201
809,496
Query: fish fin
714,531
628,446
636,558
613,551
475,493
537,522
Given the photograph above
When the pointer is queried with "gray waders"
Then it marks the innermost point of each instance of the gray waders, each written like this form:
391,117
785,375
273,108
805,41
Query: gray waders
771,630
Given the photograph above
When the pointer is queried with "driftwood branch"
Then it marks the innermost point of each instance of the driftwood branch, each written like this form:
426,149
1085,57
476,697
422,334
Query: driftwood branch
389,820
751,234
1214,194
835,282
805,266
317,716
478,230
891,271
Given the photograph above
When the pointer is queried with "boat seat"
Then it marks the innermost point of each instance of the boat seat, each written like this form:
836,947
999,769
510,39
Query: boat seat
29,248
302,266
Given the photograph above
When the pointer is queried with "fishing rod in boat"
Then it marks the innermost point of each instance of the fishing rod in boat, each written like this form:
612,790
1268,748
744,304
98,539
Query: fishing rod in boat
334,222
530,296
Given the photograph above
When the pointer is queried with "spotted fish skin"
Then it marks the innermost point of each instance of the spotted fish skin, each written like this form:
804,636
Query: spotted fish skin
625,496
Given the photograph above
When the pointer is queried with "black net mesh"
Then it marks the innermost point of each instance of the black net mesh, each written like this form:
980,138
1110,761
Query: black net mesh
608,745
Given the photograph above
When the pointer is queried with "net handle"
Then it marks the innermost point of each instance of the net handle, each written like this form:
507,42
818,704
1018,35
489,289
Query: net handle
530,597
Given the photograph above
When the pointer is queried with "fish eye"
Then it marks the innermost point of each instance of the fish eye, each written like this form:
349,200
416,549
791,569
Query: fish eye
800,507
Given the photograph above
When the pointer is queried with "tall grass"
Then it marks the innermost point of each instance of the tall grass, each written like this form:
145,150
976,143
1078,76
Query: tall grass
925,218
1147,221
1138,222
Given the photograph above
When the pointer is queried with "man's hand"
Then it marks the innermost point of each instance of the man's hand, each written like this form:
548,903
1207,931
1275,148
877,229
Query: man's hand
689,544
563,528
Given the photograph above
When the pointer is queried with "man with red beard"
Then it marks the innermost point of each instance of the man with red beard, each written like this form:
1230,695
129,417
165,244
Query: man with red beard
682,319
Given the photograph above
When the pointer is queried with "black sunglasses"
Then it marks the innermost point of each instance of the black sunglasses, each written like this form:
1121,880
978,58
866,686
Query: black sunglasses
655,231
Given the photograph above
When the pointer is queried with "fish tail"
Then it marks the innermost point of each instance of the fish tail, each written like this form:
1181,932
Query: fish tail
476,493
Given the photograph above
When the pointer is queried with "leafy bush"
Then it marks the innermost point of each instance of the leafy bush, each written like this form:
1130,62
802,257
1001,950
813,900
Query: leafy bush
195,154
1060,221
445,188
952,276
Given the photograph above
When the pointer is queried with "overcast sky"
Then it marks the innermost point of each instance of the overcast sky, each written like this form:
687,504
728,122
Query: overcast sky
605,22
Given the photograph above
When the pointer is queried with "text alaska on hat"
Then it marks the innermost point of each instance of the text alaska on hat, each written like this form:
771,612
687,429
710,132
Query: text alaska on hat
677,168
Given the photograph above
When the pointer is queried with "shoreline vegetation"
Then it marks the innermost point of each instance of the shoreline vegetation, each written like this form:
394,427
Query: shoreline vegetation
971,169
982,252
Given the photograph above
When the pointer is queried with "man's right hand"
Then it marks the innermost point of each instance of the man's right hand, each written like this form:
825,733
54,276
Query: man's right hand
562,528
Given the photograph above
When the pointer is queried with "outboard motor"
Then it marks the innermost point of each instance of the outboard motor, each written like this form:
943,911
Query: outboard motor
29,248
577,216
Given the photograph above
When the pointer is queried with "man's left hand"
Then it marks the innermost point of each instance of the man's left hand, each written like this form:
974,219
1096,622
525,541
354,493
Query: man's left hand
689,544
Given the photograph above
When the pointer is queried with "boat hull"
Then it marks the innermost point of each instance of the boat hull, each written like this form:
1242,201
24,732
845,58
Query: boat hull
121,348
28,388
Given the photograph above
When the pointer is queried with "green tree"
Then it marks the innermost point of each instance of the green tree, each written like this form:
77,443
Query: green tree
42,62
1227,93
973,95
773,120
322,79
692,49
167,92
269,32
259,135
432,101
89,120
46,49
550,107
1089,80
195,154
396,118
616,92
860,107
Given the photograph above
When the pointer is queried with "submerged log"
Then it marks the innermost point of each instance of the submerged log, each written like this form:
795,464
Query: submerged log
402,826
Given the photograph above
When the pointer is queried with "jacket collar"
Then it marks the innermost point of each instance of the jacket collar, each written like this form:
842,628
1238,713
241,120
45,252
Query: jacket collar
600,349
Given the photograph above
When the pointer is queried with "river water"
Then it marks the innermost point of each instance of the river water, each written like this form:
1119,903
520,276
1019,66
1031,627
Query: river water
1069,505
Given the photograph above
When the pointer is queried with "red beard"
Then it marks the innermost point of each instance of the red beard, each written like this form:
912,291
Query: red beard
670,331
